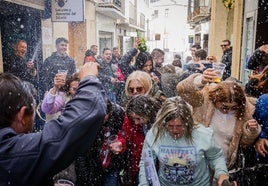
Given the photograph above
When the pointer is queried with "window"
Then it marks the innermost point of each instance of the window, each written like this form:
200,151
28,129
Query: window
155,15
166,12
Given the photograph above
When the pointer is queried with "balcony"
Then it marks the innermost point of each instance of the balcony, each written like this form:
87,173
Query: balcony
142,21
132,14
111,8
131,21
199,13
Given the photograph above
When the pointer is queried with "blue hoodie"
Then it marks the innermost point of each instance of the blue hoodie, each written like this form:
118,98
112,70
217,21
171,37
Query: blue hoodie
262,117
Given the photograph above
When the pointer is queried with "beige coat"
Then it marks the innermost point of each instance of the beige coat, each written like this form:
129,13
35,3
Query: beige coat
203,110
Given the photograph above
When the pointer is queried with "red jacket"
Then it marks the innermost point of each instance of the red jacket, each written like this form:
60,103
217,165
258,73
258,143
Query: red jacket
135,137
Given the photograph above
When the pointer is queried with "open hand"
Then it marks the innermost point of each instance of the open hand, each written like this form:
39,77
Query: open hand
264,48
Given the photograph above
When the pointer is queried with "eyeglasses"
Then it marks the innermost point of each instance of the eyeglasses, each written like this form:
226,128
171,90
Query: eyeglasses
224,45
227,108
132,89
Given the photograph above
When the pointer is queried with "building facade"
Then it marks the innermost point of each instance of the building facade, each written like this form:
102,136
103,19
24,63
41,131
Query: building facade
198,17
106,23
117,22
254,32
242,22
168,28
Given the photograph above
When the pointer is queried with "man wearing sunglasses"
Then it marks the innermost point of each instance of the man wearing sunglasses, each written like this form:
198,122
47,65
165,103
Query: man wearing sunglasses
226,57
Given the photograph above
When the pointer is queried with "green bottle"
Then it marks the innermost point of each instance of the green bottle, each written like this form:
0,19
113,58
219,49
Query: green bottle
142,46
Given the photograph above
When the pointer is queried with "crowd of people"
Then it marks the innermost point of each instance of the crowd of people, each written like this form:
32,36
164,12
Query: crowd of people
133,119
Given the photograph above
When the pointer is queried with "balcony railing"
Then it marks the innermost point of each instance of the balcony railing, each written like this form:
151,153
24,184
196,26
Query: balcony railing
133,17
142,21
111,8
199,14
110,3
132,14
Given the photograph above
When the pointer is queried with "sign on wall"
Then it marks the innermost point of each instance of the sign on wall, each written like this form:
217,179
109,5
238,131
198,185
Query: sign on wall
68,10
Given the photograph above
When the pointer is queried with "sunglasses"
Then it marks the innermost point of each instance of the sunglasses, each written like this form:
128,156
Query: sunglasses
132,89
224,45
209,58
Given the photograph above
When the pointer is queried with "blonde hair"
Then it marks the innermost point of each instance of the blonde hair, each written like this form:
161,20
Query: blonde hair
172,108
213,57
229,91
141,76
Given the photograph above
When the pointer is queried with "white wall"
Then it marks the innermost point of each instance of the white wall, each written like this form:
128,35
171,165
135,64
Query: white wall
174,28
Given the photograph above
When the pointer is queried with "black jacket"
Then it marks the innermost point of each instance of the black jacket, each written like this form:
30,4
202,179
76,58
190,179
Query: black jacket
51,66
125,62
32,159
17,66
127,68
255,61
227,60
89,169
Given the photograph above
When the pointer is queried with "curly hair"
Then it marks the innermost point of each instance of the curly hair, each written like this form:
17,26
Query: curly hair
69,80
144,106
229,91
261,78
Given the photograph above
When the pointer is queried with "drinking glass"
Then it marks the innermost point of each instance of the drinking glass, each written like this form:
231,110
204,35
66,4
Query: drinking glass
63,73
220,67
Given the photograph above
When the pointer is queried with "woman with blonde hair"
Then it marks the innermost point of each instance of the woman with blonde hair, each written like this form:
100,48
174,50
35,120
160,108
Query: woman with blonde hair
138,78
181,147
211,59
140,82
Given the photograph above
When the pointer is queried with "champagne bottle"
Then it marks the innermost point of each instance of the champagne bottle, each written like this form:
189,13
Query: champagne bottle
142,46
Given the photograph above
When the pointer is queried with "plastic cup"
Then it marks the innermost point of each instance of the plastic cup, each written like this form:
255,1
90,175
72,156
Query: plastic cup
220,67
63,73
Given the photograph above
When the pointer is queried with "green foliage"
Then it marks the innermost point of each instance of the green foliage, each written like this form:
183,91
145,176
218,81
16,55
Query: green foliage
142,46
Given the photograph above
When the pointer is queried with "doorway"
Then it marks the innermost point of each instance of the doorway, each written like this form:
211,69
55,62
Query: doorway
105,40
20,22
